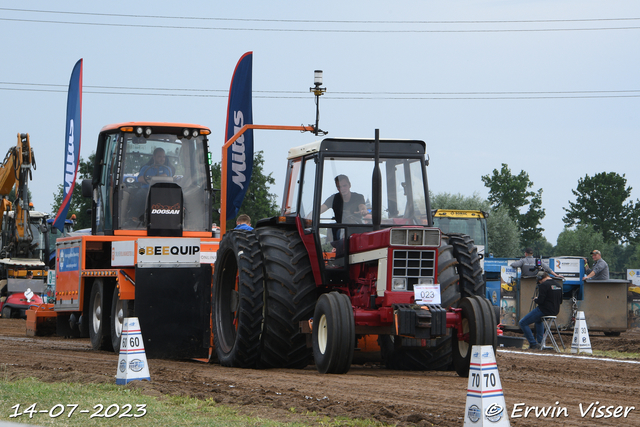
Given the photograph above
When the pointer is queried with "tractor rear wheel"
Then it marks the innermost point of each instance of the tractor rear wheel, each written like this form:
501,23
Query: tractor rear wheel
238,292
478,328
99,316
333,334
290,298
469,268
438,356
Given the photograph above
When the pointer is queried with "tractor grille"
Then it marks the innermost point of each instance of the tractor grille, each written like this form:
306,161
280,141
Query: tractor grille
414,265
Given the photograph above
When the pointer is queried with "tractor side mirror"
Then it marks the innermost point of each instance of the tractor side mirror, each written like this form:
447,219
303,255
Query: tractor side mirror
87,188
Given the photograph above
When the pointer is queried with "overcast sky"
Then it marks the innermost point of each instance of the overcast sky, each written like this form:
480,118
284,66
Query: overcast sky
549,87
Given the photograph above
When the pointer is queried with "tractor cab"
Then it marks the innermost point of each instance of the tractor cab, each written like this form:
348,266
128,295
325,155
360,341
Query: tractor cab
330,187
151,177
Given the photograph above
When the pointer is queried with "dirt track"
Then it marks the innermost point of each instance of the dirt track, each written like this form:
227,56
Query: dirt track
534,378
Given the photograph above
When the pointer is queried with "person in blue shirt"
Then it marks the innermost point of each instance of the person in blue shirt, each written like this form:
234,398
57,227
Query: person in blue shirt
156,166
243,222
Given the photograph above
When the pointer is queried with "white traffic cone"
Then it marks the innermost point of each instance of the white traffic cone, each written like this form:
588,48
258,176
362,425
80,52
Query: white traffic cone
581,342
485,400
132,362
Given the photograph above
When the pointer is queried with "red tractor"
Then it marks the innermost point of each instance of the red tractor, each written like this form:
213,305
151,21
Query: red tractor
353,253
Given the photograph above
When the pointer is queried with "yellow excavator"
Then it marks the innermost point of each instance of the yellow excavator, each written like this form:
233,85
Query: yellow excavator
23,237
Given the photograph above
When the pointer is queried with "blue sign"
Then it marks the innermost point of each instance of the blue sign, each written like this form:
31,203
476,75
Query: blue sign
69,259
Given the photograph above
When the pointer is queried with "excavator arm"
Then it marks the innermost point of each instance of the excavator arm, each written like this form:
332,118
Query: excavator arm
15,172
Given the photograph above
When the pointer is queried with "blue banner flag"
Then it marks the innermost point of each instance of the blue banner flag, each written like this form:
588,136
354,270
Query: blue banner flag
72,143
240,153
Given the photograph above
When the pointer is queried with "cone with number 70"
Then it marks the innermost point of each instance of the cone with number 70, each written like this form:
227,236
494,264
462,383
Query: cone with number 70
485,400
132,362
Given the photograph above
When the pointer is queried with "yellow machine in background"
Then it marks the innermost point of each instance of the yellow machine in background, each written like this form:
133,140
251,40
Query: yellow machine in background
23,240
470,222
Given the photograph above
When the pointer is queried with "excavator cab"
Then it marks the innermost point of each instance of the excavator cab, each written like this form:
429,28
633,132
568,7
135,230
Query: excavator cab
151,177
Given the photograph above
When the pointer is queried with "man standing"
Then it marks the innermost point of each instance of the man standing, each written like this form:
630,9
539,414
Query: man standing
528,265
600,270
548,300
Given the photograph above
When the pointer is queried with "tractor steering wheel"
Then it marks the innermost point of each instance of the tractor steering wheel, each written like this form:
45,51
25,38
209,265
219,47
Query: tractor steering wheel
352,218
158,170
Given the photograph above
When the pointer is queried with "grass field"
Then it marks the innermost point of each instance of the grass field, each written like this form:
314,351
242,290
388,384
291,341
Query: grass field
111,405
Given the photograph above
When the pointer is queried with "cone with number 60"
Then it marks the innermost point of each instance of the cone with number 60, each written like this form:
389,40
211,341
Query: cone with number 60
132,362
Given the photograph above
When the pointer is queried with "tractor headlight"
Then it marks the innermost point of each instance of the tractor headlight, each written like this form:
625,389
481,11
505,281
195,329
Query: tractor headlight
399,284
425,281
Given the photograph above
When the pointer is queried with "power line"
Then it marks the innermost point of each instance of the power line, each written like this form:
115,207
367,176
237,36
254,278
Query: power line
224,91
407,96
312,30
318,21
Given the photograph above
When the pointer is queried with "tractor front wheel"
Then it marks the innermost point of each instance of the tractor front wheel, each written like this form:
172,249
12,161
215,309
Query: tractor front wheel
333,334
478,328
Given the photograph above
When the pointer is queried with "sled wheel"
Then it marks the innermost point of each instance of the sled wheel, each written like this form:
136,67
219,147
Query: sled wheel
120,309
238,292
6,312
333,334
100,313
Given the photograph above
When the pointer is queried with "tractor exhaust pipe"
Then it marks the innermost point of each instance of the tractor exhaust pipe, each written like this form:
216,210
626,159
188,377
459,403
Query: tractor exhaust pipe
377,186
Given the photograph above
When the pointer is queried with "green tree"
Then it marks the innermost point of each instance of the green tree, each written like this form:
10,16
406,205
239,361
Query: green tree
634,260
503,235
542,247
512,192
580,242
258,203
600,202
79,205
458,201
619,259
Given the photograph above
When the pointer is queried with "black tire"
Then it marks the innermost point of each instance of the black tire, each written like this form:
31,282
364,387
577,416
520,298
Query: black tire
477,325
473,330
237,306
490,322
6,312
469,268
333,334
120,309
398,355
291,296
100,316
612,334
